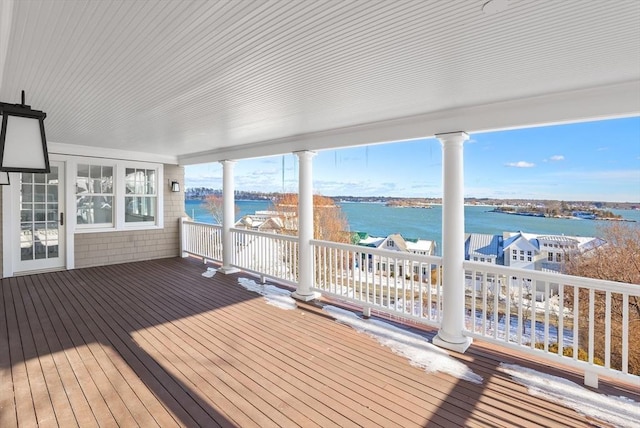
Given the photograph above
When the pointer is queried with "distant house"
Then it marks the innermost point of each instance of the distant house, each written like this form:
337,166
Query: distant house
396,242
268,221
554,250
422,247
520,251
485,248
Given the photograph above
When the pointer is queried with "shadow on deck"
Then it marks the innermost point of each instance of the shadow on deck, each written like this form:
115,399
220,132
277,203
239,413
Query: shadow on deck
157,344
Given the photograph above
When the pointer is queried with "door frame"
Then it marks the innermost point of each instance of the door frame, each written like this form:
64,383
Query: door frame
11,221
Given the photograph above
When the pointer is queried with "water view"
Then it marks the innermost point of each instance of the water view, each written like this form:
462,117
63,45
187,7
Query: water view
380,220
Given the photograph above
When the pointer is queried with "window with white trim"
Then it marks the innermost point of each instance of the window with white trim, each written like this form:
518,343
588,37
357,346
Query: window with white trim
94,195
117,195
141,200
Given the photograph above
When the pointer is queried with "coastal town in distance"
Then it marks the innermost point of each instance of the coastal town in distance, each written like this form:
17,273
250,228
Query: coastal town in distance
515,248
538,207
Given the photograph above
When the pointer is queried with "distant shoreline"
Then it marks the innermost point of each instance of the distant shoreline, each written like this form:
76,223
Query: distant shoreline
202,193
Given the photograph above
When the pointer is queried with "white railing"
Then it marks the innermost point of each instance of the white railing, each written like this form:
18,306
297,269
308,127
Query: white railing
592,325
397,283
201,239
266,254
580,321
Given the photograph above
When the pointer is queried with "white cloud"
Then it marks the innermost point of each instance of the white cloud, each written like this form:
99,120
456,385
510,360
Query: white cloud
556,158
520,164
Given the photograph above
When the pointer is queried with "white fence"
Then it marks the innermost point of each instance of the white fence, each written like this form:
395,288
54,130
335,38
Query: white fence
580,321
201,239
590,324
266,254
398,283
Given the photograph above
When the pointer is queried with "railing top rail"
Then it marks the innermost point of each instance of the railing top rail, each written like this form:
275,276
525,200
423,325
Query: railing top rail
215,226
556,278
384,253
265,234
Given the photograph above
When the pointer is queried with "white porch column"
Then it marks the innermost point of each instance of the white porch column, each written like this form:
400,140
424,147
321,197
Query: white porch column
305,227
450,335
228,216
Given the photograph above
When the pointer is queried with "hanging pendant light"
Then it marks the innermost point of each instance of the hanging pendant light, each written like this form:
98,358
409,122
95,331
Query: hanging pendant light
23,145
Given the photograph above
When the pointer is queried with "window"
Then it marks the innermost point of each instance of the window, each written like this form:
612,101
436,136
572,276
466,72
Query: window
558,257
550,257
529,253
528,258
522,258
94,195
141,199
390,243
117,195
515,255
482,259
475,259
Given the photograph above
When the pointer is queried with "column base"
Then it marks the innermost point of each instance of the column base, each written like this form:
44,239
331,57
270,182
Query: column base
228,270
460,347
305,297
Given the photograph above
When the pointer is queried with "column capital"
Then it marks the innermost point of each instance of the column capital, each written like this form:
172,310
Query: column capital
228,162
453,137
305,154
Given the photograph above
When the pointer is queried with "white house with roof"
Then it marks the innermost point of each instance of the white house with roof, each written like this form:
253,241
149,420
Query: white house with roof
484,248
396,242
268,221
554,250
520,251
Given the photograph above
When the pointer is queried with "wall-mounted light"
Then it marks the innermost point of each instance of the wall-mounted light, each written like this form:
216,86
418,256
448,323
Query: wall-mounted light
23,145
4,178
174,186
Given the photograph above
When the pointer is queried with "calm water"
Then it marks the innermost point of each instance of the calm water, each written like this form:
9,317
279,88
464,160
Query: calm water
379,220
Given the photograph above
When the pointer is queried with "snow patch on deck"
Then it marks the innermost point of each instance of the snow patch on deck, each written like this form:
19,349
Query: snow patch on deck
619,411
273,295
412,346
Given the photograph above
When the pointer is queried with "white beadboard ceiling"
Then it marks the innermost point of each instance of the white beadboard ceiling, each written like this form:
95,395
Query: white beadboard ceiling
197,81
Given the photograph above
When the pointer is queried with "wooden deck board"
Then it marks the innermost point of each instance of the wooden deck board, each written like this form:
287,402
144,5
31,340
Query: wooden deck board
156,344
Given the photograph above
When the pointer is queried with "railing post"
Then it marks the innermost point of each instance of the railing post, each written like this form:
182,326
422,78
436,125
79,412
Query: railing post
450,335
228,217
305,227
183,239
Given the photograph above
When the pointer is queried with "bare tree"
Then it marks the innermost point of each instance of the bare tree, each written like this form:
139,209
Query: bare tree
617,260
213,204
329,222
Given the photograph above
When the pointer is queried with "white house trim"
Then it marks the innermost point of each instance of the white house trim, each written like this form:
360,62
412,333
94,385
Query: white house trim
618,100
106,153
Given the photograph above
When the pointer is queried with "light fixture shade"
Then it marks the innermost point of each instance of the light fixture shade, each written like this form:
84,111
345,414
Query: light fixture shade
4,178
23,145
175,186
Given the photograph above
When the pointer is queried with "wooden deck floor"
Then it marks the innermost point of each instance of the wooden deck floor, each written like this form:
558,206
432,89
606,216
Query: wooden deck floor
156,344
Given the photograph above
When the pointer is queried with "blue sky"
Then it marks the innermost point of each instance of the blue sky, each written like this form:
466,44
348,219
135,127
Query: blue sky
584,161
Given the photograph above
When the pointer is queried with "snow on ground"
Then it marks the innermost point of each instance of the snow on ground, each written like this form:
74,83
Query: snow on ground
619,411
273,295
209,272
412,346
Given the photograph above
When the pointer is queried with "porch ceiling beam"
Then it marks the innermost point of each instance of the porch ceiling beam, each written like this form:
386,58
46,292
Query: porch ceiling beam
616,100
103,152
